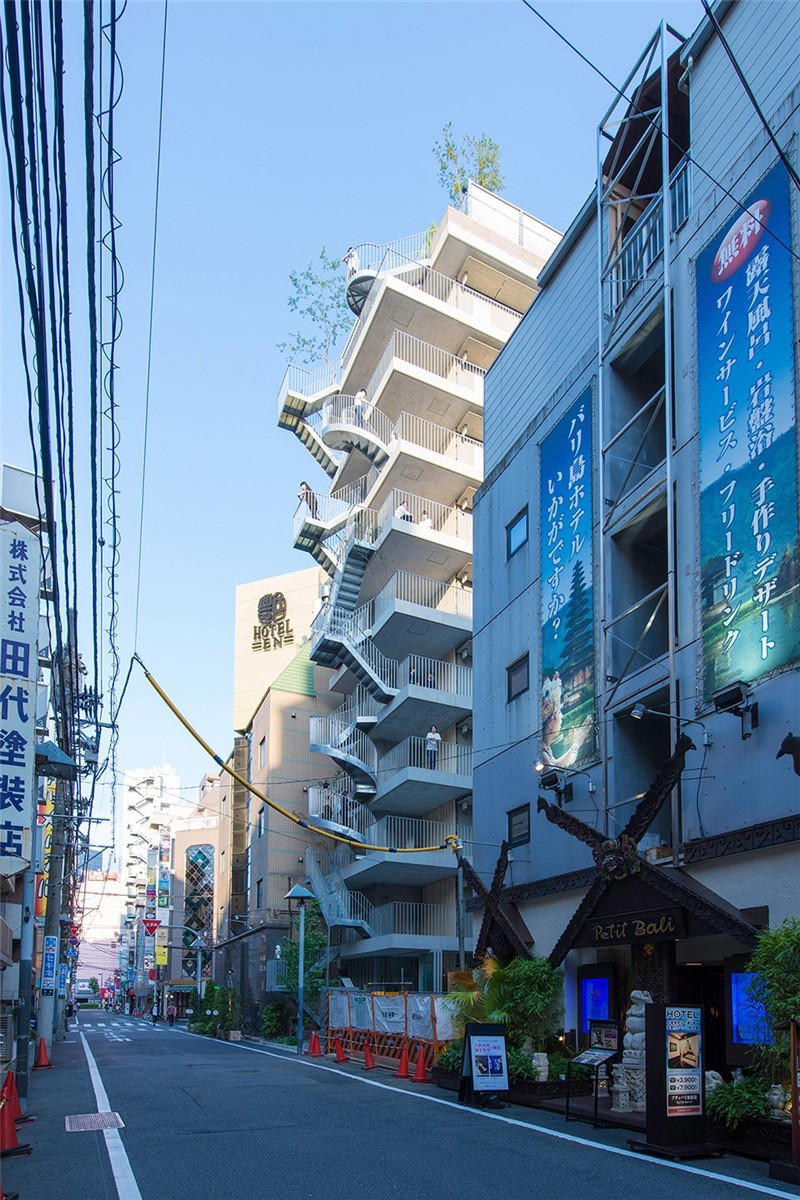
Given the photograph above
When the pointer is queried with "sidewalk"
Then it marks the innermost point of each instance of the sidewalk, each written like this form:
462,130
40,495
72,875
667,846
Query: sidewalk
61,1164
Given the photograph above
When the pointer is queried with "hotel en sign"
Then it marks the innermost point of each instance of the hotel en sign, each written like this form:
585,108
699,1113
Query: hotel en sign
658,925
274,629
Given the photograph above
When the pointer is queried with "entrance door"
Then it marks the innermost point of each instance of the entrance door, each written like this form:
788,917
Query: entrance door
706,985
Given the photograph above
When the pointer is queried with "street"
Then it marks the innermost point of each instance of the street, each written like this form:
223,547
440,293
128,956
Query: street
209,1119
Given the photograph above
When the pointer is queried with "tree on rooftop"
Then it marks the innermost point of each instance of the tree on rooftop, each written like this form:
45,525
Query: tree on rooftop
319,299
473,157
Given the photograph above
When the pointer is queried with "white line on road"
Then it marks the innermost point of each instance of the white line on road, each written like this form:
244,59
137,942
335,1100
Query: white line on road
124,1178
554,1133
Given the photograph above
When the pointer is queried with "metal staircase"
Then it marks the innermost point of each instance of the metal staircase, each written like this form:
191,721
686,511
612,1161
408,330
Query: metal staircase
340,907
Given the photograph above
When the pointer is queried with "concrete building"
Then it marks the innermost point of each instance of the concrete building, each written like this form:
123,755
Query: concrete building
636,545
397,425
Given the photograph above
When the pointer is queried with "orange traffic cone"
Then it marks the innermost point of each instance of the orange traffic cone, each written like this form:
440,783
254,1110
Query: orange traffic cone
341,1057
402,1070
419,1074
369,1061
9,1145
314,1050
9,1092
42,1061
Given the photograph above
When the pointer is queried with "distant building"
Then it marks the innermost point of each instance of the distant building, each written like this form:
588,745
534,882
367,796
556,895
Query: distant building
637,558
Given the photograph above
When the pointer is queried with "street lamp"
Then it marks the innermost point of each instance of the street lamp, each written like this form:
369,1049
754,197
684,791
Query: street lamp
301,894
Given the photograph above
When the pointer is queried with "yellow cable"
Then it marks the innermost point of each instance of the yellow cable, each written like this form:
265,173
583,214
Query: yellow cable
452,840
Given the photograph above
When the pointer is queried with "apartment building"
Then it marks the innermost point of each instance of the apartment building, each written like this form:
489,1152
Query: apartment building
636,546
397,425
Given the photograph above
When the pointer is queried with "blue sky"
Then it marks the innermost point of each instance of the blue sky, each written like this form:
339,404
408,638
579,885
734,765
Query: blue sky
287,126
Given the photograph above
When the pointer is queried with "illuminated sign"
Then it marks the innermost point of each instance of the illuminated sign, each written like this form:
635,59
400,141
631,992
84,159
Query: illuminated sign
684,1062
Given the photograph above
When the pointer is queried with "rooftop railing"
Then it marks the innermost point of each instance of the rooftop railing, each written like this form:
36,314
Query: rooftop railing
512,223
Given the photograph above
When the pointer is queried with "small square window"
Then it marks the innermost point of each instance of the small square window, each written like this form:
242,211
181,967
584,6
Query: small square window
517,533
518,677
519,825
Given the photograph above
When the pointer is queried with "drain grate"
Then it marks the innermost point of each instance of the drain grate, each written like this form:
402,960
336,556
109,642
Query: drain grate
84,1122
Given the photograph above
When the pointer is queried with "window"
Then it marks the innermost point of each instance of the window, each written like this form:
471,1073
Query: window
519,825
517,533
262,752
518,677
259,893
262,821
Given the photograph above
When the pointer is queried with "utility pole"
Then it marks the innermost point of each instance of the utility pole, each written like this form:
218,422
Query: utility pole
52,917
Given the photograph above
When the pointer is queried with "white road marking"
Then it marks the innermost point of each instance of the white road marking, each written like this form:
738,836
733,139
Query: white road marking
554,1133
124,1178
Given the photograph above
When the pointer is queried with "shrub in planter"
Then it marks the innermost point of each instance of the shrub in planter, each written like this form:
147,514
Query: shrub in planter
523,996
732,1103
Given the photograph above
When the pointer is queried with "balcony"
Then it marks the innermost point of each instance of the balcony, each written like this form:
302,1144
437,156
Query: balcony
411,374
406,927
443,311
416,870
348,747
435,616
407,784
428,691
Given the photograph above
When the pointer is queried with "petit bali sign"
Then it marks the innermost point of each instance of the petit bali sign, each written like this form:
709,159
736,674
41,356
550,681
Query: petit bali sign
659,925
274,629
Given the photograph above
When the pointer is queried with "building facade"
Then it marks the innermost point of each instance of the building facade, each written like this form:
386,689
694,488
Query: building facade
636,545
397,425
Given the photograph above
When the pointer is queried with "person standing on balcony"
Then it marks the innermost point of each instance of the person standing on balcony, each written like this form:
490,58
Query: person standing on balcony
350,260
359,400
425,522
433,741
307,497
403,511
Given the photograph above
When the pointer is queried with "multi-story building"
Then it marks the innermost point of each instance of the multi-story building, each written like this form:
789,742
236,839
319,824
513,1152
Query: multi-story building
397,425
636,545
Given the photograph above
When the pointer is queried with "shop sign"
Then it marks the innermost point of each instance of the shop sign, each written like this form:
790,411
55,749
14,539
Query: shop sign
274,629
684,1062
658,925
49,960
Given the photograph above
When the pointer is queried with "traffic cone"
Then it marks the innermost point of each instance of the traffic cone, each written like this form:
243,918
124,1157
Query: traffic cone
402,1070
9,1092
419,1074
369,1061
341,1057
9,1145
42,1061
314,1050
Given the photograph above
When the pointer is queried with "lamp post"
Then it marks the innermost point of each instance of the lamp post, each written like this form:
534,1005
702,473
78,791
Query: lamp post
301,894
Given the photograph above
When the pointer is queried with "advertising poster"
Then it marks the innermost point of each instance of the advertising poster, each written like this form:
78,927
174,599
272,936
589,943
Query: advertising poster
49,963
684,1062
62,981
20,568
750,556
567,614
489,1063
44,822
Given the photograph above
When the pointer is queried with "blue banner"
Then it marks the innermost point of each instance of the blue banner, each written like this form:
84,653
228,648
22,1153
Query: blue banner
750,555
567,616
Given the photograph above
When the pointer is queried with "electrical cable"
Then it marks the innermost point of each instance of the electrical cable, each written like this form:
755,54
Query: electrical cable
650,120
150,332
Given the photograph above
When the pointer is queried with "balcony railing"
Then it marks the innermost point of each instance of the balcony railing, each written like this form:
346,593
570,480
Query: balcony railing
645,242
308,381
341,808
385,256
410,919
635,449
435,439
448,519
451,757
403,587
441,289
430,359
418,671
512,223
414,831
344,740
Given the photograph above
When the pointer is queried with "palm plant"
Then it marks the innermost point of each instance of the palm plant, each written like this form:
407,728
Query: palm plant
521,995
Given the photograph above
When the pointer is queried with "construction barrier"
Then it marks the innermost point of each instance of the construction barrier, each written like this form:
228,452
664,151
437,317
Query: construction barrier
387,1026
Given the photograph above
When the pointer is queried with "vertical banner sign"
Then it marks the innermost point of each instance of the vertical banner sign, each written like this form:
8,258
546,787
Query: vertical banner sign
164,855
49,962
162,946
750,552
684,1062
19,667
44,823
62,981
150,888
567,616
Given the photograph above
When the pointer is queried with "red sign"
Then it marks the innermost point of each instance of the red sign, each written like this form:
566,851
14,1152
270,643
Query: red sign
74,930
151,925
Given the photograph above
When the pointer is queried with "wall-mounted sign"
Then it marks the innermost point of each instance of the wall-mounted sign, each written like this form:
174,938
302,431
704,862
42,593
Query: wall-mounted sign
750,558
49,963
657,925
274,629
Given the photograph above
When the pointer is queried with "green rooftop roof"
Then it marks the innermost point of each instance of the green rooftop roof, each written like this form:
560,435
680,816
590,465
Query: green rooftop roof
298,677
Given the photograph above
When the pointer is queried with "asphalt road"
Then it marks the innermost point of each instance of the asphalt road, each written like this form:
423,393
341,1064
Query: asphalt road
209,1120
